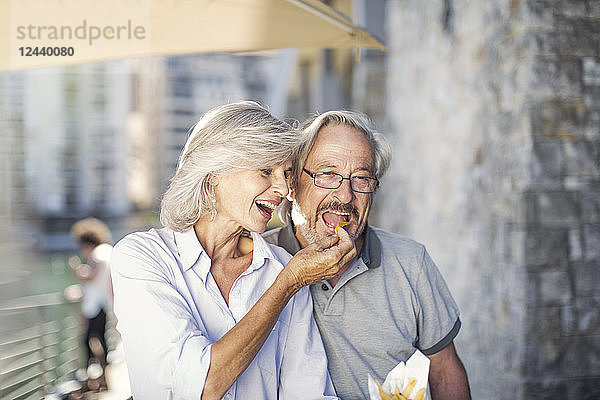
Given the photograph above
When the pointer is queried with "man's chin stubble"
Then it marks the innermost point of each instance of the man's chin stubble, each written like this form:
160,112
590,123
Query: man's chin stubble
301,223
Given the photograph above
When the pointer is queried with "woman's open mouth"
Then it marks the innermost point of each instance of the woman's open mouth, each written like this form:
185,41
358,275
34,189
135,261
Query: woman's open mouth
265,207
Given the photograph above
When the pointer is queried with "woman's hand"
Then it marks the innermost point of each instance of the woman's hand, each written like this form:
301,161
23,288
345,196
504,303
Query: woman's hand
232,354
321,260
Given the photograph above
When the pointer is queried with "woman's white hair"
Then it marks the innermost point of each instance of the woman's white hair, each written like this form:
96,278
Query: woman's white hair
227,139
310,128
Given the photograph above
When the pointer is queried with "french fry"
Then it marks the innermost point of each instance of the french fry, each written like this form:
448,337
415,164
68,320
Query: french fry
420,394
340,224
397,395
409,388
384,395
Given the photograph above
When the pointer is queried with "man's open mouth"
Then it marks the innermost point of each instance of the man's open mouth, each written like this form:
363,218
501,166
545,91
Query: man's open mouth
331,218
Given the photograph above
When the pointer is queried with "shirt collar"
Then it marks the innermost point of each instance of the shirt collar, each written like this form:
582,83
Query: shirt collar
261,252
370,252
287,239
190,250
189,247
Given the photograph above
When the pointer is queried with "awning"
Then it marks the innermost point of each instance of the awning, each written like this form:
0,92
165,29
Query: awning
39,33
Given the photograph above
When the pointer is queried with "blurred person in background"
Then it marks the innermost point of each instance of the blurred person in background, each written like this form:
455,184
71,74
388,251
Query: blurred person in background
206,308
389,301
94,237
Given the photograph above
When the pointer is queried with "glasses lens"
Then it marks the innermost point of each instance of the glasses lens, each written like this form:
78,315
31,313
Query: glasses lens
328,180
363,184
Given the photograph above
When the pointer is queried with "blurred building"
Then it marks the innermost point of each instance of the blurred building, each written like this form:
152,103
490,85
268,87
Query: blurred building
13,202
103,139
78,143
194,84
65,146
368,88
173,93
327,79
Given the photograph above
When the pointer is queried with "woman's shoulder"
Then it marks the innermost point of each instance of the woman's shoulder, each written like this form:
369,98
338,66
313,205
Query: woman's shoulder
149,248
154,237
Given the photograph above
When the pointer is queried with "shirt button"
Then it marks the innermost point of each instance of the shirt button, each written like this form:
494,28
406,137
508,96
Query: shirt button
324,286
228,395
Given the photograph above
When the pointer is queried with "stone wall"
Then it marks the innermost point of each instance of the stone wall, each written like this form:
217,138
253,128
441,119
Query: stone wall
494,113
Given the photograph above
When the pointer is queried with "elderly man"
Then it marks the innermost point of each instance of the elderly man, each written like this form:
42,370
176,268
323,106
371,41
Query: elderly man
390,300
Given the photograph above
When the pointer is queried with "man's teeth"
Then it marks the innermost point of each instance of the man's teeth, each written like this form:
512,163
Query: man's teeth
344,214
266,204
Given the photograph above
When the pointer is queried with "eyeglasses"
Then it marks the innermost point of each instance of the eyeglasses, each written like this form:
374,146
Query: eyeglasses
332,180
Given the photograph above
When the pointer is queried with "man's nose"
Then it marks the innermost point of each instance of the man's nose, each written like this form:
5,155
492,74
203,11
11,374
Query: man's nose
344,193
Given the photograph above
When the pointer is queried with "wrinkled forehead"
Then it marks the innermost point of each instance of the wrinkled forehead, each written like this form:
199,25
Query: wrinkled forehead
339,145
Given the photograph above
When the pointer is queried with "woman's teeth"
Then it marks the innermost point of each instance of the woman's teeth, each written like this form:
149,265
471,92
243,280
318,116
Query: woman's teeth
265,204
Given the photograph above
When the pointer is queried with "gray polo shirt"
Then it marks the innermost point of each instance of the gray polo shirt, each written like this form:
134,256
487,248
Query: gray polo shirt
391,301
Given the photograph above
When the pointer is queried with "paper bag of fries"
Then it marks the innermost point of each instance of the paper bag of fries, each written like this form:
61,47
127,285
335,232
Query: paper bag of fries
404,382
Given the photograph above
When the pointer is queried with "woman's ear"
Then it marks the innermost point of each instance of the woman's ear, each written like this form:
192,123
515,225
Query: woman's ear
213,180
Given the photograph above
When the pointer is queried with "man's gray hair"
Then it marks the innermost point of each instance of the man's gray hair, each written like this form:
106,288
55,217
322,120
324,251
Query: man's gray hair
311,127
227,139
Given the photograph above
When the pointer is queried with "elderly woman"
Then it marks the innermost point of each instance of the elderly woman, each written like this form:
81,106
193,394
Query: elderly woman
205,306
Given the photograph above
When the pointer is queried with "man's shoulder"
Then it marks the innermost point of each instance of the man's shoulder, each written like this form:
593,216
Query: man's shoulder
397,243
401,253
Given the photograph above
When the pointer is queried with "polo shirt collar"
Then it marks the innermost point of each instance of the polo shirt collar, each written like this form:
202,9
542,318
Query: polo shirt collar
370,252
287,239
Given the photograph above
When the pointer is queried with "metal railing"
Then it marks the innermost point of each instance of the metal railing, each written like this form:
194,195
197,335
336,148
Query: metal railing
40,339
